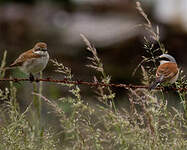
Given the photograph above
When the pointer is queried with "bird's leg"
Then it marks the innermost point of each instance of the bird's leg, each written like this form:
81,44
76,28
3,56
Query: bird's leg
174,86
169,88
166,89
31,77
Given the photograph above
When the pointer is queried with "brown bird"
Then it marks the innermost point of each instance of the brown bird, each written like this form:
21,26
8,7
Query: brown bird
33,60
167,71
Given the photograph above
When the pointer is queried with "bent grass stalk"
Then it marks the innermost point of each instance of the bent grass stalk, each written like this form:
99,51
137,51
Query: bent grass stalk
3,64
149,124
36,114
97,64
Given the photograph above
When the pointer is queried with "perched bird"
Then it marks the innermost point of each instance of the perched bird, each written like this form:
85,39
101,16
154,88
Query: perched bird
33,60
167,71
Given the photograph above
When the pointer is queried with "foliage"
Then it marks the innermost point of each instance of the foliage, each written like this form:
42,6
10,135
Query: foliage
147,125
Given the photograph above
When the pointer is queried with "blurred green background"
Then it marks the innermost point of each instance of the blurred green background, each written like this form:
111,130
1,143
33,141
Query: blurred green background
111,25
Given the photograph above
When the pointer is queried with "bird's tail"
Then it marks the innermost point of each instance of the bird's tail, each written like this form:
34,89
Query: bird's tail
153,85
156,83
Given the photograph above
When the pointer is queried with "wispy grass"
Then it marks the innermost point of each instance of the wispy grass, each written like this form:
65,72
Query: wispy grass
147,125
17,133
105,93
149,62
3,63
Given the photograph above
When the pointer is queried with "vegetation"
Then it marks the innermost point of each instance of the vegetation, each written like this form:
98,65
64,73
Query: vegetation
148,125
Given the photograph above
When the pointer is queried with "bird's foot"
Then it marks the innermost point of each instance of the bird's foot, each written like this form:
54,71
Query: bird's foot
168,88
37,80
31,77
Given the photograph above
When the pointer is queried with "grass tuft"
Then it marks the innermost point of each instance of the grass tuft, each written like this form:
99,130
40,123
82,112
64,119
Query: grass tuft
147,124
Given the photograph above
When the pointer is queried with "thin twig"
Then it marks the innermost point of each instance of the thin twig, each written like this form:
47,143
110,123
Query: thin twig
49,102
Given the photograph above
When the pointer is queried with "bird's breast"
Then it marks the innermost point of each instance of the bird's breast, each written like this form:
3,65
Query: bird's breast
35,65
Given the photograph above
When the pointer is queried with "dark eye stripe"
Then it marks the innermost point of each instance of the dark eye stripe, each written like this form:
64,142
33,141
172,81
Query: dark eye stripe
164,58
44,49
41,49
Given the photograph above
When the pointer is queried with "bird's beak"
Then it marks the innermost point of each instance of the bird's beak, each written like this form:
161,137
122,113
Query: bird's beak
159,57
163,55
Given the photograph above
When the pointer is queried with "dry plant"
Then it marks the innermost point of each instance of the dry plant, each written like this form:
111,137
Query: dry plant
3,63
105,93
147,125
148,64
150,44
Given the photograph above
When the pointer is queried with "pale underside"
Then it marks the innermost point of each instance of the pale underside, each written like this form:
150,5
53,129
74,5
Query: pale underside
35,65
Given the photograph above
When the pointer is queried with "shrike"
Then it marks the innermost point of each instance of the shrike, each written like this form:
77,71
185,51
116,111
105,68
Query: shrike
167,71
33,60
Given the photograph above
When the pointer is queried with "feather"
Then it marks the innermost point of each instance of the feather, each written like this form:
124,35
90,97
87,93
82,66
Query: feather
156,83
165,73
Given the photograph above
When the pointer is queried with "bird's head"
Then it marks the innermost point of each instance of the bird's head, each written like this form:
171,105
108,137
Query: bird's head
40,48
165,58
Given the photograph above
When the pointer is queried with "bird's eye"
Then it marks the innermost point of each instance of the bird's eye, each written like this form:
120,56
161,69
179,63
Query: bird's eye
38,49
164,59
41,49
44,49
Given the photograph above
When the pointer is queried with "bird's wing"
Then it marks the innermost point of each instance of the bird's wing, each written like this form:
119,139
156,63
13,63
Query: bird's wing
167,71
23,57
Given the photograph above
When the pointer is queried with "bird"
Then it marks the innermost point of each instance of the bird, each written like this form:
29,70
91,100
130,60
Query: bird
32,61
167,72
